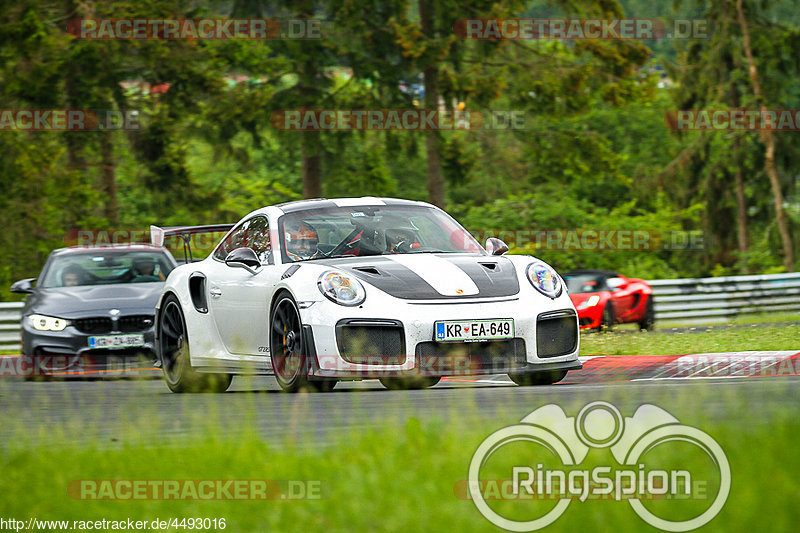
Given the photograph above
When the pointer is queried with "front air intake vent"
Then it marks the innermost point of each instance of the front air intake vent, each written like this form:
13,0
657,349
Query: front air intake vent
368,270
368,341
556,333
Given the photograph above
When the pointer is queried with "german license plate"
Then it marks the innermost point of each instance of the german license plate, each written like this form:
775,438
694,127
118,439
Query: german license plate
116,341
474,330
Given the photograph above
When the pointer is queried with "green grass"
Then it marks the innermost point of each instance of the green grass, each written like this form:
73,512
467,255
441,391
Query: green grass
396,478
399,475
664,342
744,318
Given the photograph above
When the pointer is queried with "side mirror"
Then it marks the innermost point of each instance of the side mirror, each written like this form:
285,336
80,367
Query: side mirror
244,258
616,283
23,286
495,246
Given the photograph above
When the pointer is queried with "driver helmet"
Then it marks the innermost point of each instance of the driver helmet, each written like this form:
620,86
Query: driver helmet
301,240
405,232
144,266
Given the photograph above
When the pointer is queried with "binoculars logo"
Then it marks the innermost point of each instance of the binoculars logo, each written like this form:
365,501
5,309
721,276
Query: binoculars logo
568,440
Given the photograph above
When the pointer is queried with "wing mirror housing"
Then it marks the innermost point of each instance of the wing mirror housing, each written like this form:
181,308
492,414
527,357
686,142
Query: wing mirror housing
616,283
23,286
244,258
495,246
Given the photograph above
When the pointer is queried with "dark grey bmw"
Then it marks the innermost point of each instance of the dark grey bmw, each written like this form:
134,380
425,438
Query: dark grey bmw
92,308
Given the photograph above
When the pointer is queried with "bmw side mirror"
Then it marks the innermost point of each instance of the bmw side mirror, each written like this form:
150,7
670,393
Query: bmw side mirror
244,258
495,246
23,286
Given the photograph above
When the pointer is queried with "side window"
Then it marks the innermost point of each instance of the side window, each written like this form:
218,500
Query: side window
259,239
252,233
234,240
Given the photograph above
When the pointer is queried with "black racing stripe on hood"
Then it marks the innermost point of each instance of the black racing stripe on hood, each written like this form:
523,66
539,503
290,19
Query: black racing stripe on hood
402,282
500,281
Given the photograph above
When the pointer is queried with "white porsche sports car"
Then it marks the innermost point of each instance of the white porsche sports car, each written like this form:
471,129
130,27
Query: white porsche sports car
319,291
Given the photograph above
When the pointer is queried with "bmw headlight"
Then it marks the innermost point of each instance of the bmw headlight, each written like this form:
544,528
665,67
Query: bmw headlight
342,288
544,279
47,323
589,302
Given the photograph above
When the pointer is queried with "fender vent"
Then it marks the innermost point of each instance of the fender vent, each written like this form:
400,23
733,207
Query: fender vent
290,271
197,290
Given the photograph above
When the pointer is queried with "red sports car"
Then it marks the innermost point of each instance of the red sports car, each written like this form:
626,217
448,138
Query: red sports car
604,298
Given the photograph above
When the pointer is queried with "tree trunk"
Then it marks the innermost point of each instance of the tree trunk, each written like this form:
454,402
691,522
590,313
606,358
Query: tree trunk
311,151
108,178
312,165
432,139
741,212
768,139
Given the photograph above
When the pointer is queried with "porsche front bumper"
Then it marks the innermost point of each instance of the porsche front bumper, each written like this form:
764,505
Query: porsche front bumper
358,344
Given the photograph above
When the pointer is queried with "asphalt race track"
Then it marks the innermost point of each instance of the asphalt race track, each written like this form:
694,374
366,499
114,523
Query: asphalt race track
690,387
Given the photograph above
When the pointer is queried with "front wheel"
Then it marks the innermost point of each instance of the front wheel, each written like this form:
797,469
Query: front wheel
525,379
607,321
289,353
173,345
648,322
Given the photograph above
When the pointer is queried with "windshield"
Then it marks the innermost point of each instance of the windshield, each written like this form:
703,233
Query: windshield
582,283
106,267
356,231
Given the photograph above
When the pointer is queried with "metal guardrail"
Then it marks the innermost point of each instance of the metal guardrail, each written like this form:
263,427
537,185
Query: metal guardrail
700,300
716,300
10,315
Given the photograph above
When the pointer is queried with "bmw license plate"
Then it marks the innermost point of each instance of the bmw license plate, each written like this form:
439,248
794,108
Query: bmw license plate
116,341
474,330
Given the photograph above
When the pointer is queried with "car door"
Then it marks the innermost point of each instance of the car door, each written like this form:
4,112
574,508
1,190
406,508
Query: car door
623,297
238,299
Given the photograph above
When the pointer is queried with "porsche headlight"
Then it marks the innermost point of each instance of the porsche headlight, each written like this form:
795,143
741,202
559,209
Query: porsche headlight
589,302
544,279
342,288
47,323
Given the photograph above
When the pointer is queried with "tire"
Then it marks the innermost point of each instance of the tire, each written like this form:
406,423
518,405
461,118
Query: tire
537,378
648,323
607,322
173,345
289,354
410,383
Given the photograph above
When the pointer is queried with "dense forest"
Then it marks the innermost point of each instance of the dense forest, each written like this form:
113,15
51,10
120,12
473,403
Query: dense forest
596,150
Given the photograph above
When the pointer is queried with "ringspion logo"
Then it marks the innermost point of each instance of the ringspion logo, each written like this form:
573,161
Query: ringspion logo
680,489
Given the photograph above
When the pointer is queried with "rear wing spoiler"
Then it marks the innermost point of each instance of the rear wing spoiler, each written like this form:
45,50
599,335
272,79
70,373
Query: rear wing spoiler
158,235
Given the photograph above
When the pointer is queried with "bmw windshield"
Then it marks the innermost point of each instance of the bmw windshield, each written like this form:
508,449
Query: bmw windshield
357,231
106,267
